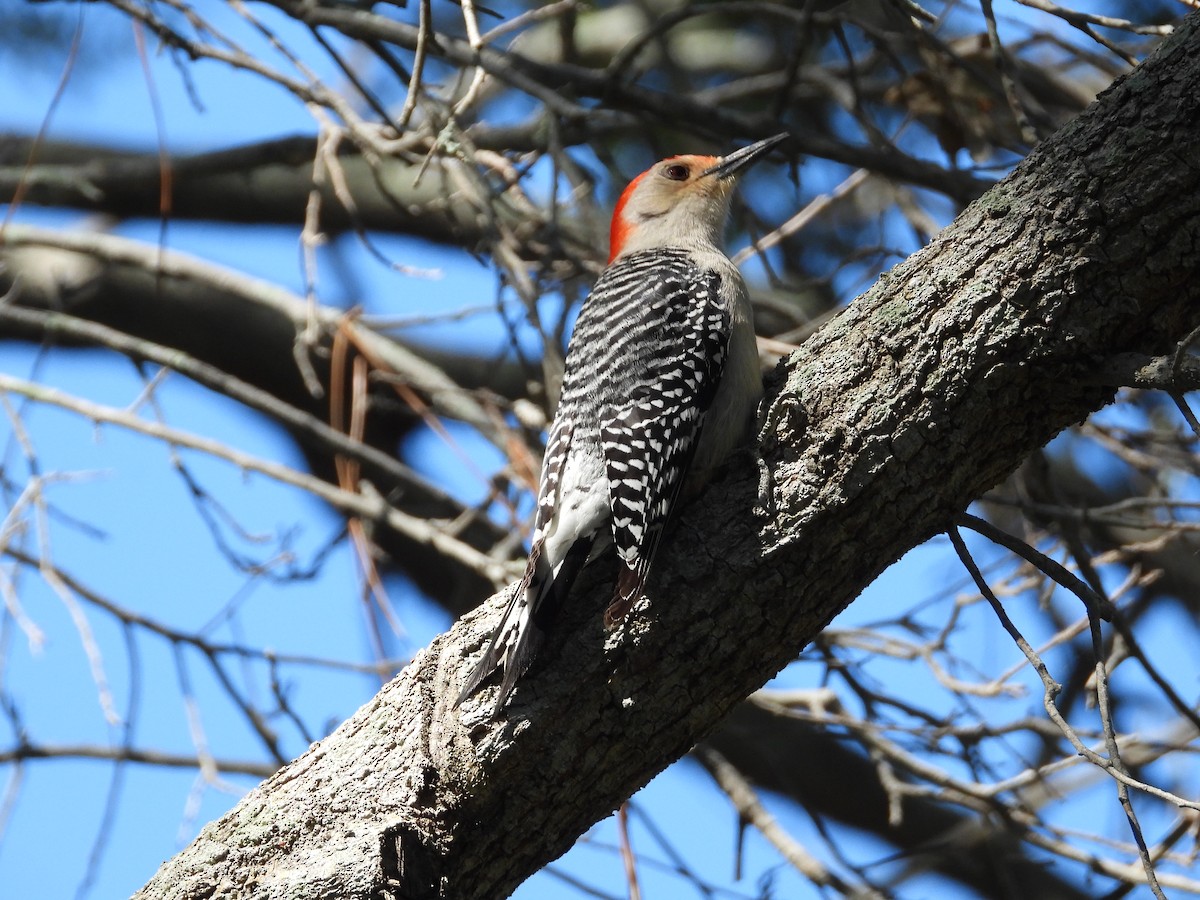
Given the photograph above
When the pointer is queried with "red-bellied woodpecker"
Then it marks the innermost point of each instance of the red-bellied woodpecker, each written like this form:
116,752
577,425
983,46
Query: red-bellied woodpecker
661,382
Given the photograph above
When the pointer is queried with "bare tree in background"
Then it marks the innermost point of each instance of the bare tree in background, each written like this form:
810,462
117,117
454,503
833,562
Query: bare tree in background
1066,297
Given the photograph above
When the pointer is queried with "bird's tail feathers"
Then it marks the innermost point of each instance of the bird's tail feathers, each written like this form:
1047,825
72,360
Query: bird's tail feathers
495,649
522,647
531,609
630,582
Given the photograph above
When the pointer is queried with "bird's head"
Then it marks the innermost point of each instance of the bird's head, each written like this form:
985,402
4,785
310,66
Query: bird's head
680,201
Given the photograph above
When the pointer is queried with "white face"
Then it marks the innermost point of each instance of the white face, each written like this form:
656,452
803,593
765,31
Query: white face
673,202
679,181
681,201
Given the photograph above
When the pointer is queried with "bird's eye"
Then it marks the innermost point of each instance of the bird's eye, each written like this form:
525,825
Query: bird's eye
677,172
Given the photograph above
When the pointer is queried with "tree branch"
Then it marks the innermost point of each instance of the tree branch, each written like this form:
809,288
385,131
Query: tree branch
174,300
270,182
929,389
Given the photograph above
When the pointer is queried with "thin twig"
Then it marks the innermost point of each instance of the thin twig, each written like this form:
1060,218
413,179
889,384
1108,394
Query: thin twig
373,508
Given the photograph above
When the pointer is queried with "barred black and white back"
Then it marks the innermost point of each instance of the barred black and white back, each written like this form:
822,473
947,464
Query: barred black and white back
643,367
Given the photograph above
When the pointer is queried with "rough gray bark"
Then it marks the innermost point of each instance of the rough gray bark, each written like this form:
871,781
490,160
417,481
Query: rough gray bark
925,392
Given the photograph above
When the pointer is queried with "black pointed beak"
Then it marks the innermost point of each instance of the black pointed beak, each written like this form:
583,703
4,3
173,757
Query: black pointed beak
730,165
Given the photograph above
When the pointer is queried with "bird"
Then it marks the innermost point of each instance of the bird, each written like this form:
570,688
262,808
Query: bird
661,381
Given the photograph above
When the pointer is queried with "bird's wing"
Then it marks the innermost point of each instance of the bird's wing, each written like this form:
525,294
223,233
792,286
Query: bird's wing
659,334
650,437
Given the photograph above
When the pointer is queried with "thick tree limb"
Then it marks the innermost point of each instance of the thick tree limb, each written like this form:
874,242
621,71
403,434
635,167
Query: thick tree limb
271,182
925,392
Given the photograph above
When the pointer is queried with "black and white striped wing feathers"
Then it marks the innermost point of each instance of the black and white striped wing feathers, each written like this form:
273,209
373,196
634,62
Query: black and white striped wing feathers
674,351
643,366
